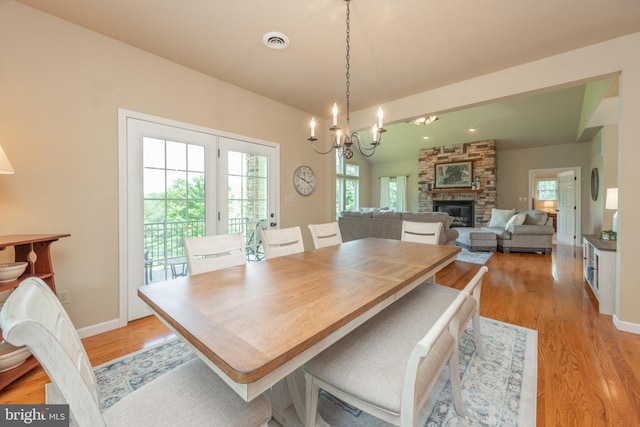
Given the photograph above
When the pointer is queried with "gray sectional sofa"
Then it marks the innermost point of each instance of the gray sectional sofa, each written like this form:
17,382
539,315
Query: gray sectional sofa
521,230
388,225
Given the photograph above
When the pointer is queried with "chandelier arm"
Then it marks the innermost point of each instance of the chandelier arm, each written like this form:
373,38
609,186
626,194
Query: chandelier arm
364,150
323,152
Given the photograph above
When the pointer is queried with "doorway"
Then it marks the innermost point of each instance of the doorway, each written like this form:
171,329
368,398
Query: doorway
567,204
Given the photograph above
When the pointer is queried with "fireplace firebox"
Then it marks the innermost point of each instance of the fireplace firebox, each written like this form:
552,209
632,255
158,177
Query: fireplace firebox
460,210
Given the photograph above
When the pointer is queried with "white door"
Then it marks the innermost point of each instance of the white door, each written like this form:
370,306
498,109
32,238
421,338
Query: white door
248,182
566,207
171,194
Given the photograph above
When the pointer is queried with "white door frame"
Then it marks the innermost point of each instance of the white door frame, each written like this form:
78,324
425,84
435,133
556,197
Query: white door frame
577,196
123,190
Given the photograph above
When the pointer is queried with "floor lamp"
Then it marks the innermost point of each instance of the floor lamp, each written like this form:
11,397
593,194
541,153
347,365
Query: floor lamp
612,203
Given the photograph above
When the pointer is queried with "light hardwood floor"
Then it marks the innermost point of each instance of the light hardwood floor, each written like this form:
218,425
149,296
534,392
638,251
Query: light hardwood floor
588,371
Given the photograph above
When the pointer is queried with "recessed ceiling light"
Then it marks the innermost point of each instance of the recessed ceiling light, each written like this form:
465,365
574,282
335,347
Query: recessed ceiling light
275,40
425,137
472,130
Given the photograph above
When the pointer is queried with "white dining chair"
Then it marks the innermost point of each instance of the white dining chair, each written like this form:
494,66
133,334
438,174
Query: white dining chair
421,232
471,308
325,234
188,395
282,241
208,253
388,366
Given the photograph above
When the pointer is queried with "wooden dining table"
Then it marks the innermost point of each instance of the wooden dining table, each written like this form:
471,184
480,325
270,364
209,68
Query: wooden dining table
256,324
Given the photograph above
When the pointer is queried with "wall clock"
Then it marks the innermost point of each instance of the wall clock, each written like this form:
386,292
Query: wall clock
595,183
304,180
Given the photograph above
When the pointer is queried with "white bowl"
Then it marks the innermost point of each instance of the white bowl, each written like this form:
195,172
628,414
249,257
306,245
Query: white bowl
12,271
11,356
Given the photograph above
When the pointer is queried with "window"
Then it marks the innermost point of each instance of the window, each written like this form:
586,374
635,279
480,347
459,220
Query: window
393,193
347,185
547,189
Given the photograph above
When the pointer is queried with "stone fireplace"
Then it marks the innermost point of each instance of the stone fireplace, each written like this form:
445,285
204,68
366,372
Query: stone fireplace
482,155
462,211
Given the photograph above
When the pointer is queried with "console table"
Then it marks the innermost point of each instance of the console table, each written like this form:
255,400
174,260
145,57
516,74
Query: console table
599,269
34,249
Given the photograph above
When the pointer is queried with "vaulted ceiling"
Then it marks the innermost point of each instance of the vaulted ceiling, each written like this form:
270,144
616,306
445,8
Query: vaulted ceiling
398,48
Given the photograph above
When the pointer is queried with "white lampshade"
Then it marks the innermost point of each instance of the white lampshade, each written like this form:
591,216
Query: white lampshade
5,164
612,198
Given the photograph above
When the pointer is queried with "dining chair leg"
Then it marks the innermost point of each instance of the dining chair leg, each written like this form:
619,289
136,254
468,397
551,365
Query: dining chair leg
456,387
476,334
312,394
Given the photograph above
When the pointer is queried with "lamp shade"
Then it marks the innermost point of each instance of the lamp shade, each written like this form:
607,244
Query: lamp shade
612,198
5,164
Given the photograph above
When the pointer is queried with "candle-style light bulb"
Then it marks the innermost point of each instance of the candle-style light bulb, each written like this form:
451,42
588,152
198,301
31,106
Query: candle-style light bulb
313,127
335,114
338,137
375,132
380,114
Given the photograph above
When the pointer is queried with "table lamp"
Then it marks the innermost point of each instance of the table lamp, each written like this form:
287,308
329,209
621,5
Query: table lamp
612,203
5,164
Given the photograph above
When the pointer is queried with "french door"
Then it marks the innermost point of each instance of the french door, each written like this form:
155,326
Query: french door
247,171
184,181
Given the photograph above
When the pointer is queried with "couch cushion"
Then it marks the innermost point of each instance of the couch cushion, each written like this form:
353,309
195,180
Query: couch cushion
517,219
442,217
499,217
387,215
357,214
500,232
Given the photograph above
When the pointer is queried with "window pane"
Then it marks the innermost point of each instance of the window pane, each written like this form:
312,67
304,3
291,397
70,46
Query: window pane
353,170
547,189
176,155
195,158
351,195
393,196
153,153
339,196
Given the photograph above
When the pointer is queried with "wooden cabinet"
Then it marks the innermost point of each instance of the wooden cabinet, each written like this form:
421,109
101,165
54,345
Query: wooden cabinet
599,269
33,248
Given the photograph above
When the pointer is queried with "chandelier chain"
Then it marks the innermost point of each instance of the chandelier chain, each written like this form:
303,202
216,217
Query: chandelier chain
344,139
348,57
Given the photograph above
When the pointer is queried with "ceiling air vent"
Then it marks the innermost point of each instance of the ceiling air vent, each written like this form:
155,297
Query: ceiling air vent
275,40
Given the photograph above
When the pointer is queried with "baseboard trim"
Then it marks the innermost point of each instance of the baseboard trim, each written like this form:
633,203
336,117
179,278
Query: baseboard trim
92,330
634,328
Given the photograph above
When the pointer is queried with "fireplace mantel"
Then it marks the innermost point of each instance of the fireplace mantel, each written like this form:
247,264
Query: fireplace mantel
454,190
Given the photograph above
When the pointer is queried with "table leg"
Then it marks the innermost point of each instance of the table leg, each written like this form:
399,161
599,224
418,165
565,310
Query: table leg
288,401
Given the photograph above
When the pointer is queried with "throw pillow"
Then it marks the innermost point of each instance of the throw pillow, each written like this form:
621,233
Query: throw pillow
536,218
499,217
517,219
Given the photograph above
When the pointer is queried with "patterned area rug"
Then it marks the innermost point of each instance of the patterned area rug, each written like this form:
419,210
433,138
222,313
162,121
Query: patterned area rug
473,257
499,390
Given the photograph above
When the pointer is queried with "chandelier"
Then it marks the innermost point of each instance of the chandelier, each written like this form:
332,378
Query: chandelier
343,140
